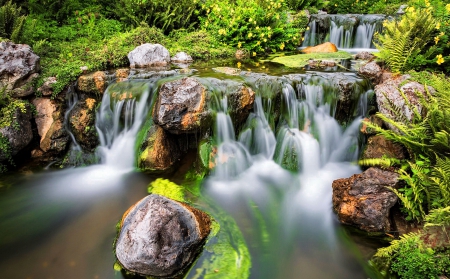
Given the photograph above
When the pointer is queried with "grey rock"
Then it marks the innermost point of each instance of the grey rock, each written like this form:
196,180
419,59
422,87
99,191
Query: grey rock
364,55
182,57
371,71
160,237
149,55
364,201
46,89
19,67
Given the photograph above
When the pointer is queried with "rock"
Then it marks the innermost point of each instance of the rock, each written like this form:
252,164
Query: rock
401,10
182,57
378,146
364,201
322,48
241,103
46,89
149,55
161,237
241,54
371,71
94,83
181,106
44,115
364,55
159,151
82,123
227,70
19,133
19,68
373,119
391,89
122,74
56,140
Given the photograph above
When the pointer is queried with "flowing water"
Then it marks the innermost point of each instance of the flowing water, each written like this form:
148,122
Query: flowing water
348,32
273,176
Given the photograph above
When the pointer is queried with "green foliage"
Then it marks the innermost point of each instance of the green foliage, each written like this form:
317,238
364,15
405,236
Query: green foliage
298,5
427,140
439,217
166,188
257,26
167,15
301,60
7,112
11,22
5,152
403,43
363,6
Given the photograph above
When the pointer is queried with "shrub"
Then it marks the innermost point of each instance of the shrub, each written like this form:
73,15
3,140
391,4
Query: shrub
257,26
403,44
11,22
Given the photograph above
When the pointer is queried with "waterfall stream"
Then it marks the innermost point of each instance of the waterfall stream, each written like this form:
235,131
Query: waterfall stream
273,175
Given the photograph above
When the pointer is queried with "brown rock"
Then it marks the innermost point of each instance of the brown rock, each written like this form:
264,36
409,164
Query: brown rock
364,55
122,74
161,237
322,48
82,123
44,115
160,151
227,70
364,201
373,119
56,139
241,54
378,146
371,71
94,83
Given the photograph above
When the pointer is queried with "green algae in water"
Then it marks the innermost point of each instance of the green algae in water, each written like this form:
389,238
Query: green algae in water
301,60
166,188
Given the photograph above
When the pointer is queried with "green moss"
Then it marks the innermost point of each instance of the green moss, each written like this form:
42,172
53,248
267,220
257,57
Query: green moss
301,60
166,188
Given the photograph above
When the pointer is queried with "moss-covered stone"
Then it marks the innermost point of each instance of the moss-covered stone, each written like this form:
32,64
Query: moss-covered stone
165,187
301,60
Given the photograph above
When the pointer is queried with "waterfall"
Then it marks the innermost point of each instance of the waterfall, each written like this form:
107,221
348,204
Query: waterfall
283,184
345,31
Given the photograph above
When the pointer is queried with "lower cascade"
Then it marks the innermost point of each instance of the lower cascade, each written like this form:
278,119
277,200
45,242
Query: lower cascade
269,187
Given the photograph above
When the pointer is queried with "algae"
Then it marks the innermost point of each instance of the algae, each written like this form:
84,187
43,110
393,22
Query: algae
301,60
165,187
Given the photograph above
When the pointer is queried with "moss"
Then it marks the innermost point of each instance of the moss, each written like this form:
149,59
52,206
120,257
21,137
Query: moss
166,188
301,60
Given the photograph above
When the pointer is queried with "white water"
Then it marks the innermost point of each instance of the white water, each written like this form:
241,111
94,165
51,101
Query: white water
295,205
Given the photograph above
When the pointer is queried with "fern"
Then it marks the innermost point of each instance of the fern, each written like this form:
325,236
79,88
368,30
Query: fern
11,22
389,252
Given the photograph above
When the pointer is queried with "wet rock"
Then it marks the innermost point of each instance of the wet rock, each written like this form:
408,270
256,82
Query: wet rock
19,133
364,55
19,68
94,83
322,48
56,140
149,55
241,101
182,57
45,107
378,146
82,123
364,201
159,151
181,106
390,89
46,89
122,74
161,237
371,71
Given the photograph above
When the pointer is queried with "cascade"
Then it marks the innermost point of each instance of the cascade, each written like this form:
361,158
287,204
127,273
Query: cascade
345,31
284,188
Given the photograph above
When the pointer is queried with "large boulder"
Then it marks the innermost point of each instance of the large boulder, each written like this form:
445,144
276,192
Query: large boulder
82,122
19,133
149,55
322,48
19,67
161,237
181,106
364,201
388,93
159,151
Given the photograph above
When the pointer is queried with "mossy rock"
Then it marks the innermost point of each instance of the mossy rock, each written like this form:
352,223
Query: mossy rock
301,60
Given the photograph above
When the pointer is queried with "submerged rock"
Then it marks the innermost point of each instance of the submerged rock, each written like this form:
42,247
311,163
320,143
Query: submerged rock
19,67
364,201
161,237
322,48
149,55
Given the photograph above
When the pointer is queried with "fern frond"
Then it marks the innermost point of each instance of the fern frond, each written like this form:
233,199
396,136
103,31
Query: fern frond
389,252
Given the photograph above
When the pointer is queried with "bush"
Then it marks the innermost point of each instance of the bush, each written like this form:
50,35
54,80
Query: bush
255,26
404,44
11,22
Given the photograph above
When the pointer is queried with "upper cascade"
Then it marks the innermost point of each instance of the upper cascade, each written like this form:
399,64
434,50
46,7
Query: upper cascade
351,31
